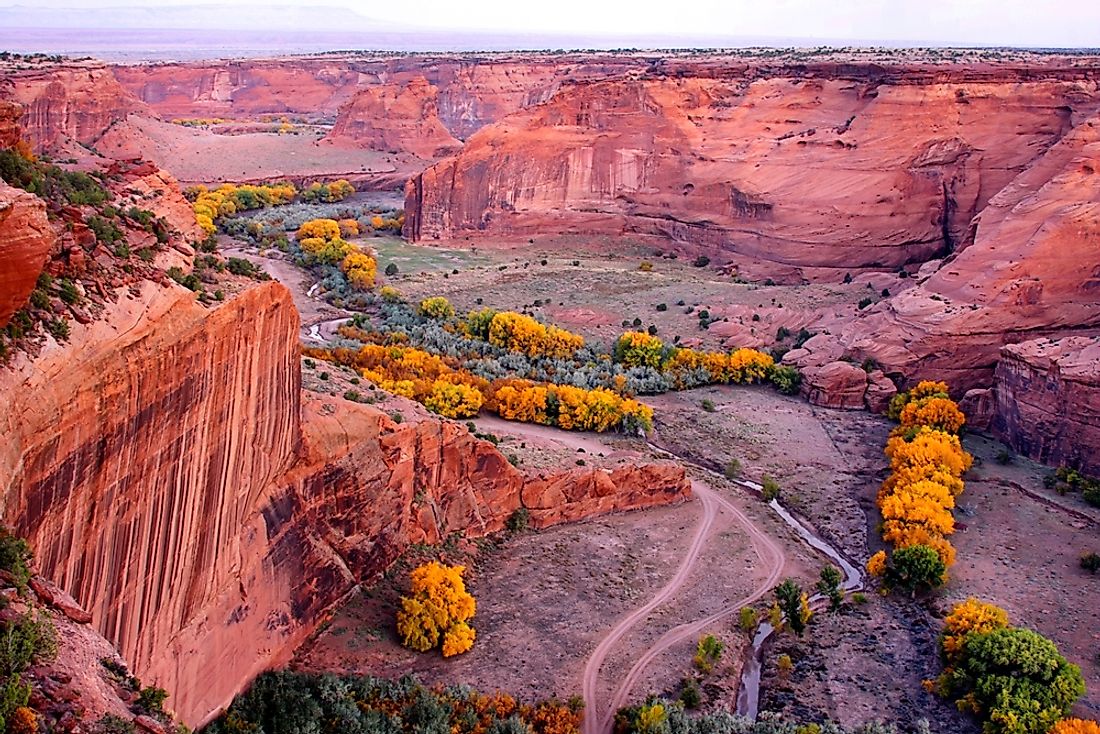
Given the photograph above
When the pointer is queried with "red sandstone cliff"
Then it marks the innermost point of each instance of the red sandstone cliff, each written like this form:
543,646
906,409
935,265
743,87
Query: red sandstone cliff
77,101
396,118
839,168
473,90
1047,400
165,475
1034,269
9,123
26,239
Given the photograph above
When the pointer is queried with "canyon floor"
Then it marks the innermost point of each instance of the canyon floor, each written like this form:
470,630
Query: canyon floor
548,598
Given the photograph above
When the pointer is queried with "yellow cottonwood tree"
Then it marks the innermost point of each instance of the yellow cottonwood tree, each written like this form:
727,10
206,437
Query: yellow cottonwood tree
437,611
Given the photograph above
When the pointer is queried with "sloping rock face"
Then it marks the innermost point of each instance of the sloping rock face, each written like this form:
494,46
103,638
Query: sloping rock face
1047,396
1033,270
169,478
811,167
396,118
26,239
70,101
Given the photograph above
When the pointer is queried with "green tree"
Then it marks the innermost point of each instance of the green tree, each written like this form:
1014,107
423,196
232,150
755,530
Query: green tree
916,568
788,595
829,586
1015,680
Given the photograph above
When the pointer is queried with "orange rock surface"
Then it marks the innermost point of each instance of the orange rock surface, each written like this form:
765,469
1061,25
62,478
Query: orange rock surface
396,118
26,239
831,166
168,476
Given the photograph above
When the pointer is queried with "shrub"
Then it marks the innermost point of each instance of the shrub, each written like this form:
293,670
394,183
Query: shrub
1076,726
436,307
916,568
391,270
662,306
645,266
701,262
707,653
733,469
637,349
769,489
708,406
788,380
1090,562
111,724
690,695
517,521
15,558
151,700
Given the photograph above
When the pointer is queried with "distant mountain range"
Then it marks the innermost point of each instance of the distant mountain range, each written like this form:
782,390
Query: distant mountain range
244,17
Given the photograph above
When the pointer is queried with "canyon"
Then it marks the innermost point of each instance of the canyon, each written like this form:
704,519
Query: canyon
209,514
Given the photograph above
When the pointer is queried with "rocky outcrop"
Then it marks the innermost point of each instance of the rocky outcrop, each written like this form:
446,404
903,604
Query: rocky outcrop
77,101
1047,398
164,472
10,113
836,168
26,239
395,119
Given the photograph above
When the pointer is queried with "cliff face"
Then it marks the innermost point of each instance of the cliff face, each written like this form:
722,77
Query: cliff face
472,92
167,477
77,101
26,239
1033,270
1047,397
824,169
395,118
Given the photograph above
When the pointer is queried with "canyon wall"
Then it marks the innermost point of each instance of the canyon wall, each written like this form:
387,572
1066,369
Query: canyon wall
1047,398
76,101
837,167
395,118
473,90
168,477
1033,270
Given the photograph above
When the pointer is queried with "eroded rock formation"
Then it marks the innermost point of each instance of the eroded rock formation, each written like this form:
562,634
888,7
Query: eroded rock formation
77,101
396,118
167,478
836,167
1033,270
1047,396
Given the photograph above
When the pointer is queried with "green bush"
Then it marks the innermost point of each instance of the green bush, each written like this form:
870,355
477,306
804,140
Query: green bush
787,379
15,558
1090,562
151,700
769,488
517,521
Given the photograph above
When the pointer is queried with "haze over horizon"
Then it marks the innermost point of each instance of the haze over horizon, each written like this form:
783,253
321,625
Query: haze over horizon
573,23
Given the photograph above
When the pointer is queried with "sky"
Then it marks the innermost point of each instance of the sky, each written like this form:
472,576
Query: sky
1045,23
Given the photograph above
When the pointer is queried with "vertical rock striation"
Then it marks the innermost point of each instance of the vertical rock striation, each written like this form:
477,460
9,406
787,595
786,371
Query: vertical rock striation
169,477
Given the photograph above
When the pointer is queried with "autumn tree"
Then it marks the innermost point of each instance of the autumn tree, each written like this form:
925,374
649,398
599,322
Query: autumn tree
360,269
437,611
1076,726
969,617
707,653
454,400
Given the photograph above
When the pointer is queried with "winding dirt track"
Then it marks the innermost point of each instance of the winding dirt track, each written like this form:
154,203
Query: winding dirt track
769,552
